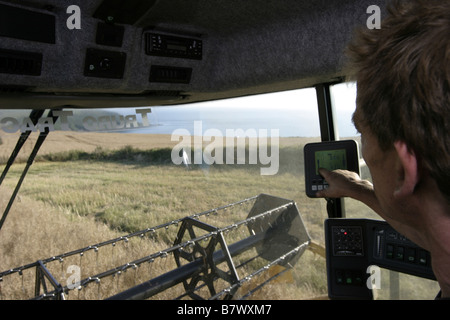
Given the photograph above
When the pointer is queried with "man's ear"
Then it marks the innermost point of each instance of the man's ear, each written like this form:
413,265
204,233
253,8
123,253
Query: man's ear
406,171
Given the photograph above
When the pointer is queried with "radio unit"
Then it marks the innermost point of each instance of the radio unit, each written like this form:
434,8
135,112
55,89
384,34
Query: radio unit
173,46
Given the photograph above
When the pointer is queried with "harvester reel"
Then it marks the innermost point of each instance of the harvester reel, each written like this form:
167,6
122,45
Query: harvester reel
284,228
209,271
272,234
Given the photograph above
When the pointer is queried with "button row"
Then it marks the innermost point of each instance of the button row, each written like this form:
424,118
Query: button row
319,184
411,255
349,277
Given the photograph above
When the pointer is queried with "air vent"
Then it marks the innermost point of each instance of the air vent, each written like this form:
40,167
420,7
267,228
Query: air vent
20,62
28,25
110,35
123,12
168,74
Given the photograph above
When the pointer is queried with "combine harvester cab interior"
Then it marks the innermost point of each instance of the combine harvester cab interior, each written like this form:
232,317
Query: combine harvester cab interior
61,57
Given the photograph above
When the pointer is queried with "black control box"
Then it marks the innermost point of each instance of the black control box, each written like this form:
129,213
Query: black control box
331,155
353,245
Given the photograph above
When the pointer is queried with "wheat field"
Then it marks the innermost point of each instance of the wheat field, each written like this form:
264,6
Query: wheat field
88,188
66,204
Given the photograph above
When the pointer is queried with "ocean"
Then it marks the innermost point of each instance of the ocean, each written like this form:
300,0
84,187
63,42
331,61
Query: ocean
284,123
293,113
286,114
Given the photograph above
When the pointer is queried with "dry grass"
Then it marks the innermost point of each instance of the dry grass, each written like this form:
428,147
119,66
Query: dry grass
36,231
61,141
68,205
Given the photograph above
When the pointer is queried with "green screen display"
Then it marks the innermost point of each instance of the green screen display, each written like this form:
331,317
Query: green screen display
331,159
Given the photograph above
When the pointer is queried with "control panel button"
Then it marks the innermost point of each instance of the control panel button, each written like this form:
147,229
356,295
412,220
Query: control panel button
399,253
349,277
411,255
390,251
423,257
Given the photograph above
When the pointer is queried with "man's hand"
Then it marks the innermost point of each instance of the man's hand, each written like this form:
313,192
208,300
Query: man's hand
342,183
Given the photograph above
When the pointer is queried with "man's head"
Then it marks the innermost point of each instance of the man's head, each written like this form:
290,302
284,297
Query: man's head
403,76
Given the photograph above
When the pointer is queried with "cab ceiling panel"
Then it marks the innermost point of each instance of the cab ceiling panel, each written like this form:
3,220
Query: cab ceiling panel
113,53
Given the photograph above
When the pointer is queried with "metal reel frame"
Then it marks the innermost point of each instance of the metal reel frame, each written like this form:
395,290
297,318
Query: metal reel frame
209,272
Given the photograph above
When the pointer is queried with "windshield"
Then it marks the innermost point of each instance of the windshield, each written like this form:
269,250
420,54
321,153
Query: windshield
393,285
103,174
111,197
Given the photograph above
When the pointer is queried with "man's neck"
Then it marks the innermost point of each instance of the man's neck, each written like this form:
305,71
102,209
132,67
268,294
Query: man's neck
436,221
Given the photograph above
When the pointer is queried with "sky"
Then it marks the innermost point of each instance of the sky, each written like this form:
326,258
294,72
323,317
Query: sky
287,110
292,113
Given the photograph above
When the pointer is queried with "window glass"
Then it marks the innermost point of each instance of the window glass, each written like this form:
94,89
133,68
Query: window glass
401,286
344,102
106,174
394,285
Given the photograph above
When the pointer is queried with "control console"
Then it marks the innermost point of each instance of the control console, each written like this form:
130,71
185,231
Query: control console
352,245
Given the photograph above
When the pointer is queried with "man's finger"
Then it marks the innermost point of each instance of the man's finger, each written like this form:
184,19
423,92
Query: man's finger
324,172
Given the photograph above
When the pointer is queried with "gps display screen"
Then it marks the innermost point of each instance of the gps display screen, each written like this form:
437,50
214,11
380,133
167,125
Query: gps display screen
330,155
331,159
